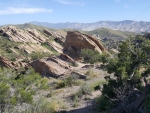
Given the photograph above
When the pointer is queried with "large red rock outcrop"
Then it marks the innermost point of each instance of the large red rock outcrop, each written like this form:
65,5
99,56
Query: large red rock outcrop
50,67
75,41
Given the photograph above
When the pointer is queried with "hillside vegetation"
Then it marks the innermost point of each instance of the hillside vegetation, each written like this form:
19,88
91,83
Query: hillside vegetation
73,71
111,34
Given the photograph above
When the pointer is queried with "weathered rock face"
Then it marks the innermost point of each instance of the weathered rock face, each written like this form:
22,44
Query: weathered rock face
58,38
57,47
66,58
35,39
75,41
27,35
30,48
50,67
5,62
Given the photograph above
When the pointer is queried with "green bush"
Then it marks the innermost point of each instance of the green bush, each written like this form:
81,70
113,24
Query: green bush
102,103
39,55
16,89
67,82
90,55
84,90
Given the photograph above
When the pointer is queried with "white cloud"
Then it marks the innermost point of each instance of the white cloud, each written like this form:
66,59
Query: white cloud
13,10
69,2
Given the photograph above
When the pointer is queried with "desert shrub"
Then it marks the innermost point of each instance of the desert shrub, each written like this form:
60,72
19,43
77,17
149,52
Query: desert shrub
17,89
90,73
84,90
39,55
90,55
96,85
75,64
102,103
67,82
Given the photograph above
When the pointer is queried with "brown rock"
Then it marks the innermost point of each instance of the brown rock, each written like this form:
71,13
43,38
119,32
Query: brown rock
27,35
75,41
58,38
50,67
78,75
4,62
66,57
57,47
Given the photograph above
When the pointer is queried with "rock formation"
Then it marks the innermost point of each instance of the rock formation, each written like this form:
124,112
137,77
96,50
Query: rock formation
30,48
50,67
75,41
27,35
58,38
5,62
66,58
57,47
35,39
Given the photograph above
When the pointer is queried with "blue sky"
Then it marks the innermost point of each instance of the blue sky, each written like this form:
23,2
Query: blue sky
85,11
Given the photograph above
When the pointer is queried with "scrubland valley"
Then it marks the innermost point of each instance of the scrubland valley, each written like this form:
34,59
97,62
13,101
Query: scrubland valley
45,70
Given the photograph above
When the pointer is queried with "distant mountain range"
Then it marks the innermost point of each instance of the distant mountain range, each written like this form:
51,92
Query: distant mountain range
126,25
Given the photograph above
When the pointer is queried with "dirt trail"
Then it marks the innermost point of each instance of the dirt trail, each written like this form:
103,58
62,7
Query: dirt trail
87,106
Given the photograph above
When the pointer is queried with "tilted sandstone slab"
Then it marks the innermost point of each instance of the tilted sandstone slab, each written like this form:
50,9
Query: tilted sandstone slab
58,38
50,67
33,48
57,47
5,62
27,35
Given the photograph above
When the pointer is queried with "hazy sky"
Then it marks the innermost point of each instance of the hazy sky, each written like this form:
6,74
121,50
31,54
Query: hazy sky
85,11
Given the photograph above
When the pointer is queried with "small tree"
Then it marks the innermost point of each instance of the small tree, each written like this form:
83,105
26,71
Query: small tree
134,55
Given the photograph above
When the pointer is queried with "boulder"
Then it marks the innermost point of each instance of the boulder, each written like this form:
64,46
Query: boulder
78,75
75,41
50,67
66,58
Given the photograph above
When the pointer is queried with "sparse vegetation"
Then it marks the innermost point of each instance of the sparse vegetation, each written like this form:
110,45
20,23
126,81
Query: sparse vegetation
17,89
68,82
84,90
39,55
90,55
90,73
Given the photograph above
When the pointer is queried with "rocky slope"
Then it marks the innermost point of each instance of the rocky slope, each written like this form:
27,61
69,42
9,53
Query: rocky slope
31,40
126,25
